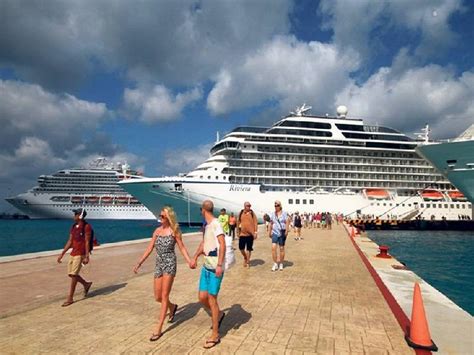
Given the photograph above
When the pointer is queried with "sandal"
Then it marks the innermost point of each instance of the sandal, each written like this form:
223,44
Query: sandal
211,343
67,303
172,314
155,337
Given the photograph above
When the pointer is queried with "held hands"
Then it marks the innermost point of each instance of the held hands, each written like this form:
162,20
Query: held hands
192,264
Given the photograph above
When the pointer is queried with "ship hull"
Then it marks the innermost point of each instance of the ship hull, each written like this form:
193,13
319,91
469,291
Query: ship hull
187,196
39,206
455,160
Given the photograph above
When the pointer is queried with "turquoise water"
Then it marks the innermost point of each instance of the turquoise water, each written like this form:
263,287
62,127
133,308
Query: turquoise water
444,259
29,236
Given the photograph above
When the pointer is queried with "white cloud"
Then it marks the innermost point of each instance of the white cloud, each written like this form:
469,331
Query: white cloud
59,43
184,160
284,70
430,94
151,104
360,24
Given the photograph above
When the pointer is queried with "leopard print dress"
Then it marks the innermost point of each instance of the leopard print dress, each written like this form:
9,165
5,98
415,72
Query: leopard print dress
165,255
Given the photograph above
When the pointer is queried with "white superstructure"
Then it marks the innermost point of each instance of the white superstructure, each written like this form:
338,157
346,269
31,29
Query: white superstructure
95,188
310,163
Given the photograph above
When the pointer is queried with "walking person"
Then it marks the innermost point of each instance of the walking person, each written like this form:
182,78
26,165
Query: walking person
80,240
247,232
279,227
224,221
297,224
329,220
164,239
213,247
232,225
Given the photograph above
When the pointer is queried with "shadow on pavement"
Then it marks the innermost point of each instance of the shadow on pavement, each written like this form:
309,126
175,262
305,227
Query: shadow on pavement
256,262
234,318
105,290
184,313
288,263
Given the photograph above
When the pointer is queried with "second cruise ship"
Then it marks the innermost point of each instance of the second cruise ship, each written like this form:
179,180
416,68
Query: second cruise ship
310,163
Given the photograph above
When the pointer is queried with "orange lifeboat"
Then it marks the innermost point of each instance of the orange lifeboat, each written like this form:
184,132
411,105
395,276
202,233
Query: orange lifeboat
92,199
106,199
456,195
77,199
377,194
121,200
432,195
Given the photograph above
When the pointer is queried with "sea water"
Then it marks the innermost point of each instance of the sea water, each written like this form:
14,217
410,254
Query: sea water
444,259
30,236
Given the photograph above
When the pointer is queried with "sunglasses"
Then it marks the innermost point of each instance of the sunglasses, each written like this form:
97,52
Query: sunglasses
162,216
277,205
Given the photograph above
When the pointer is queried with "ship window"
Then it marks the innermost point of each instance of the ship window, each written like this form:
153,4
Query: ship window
311,202
208,177
445,205
440,205
422,205
428,205
304,202
457,206
290,201
462,206
297,201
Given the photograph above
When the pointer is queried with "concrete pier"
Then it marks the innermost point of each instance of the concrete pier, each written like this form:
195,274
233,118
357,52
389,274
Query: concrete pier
324,301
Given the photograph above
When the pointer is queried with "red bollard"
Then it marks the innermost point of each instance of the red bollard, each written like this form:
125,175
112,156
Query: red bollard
383,252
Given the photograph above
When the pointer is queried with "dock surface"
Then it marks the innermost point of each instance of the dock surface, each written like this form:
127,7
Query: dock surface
324,301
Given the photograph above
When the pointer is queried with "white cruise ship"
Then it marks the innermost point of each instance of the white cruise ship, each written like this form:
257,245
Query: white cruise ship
455,160
310,163
95,188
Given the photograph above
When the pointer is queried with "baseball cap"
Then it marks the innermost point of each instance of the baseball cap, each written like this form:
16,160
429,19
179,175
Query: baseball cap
80,211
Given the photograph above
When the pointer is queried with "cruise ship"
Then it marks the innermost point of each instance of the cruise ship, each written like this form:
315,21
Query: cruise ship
94,187
455,160
310,163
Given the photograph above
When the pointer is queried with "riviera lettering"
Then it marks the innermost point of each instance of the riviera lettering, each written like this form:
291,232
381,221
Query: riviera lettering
239,188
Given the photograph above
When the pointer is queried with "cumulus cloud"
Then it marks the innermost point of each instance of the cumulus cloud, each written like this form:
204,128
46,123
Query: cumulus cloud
152,104
362,24
185,159
58,43
284,70
419,95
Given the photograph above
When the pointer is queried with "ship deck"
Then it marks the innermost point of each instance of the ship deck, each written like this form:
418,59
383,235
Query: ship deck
324,301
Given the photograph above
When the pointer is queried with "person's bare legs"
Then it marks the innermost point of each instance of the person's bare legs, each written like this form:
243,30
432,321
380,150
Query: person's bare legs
162,287
215,313
244,254
249,253
282,254
74,280
274,253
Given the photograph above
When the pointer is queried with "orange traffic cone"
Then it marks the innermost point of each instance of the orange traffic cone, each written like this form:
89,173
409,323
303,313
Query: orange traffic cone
419,332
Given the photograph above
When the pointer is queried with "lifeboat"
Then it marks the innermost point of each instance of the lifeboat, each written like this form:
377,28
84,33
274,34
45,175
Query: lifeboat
456,195
432,195
92,199
106,199
121,200
377,194
77,199
134,201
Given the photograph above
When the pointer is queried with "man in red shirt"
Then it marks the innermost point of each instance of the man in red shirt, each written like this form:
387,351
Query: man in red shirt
79,240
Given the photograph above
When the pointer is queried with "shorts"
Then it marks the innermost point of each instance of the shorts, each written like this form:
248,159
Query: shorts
278,239
209,282
74,265
246,241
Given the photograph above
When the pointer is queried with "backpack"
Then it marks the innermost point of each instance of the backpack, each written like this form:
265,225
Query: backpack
93,240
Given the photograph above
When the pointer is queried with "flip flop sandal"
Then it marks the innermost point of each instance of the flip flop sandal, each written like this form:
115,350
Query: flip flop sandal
67,303
171,317
155,337
211,343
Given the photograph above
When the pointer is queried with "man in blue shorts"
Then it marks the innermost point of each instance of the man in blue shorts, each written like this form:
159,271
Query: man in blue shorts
212,273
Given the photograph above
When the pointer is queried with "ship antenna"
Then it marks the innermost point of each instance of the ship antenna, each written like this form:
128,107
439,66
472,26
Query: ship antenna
425,133
217,137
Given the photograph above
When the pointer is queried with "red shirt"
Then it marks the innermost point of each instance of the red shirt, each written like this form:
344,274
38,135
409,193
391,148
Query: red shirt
79,233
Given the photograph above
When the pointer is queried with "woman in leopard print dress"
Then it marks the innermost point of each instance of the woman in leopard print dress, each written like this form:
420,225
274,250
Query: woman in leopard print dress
164,240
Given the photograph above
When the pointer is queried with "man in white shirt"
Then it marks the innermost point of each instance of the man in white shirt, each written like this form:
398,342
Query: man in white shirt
212,273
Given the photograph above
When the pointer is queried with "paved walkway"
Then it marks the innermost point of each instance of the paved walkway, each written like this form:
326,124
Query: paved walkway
324,301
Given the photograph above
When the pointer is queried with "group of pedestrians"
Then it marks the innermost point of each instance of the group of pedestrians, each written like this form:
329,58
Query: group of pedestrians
166,237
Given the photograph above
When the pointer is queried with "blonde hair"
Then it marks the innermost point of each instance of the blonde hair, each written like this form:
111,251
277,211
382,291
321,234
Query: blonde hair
171,215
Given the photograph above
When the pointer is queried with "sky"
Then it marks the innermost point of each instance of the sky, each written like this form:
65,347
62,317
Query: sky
151,82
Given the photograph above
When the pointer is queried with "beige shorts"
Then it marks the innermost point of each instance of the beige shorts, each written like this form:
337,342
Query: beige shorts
74,265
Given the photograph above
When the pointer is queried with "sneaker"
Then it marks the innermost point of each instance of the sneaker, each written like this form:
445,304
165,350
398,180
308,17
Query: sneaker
281,266
275,267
